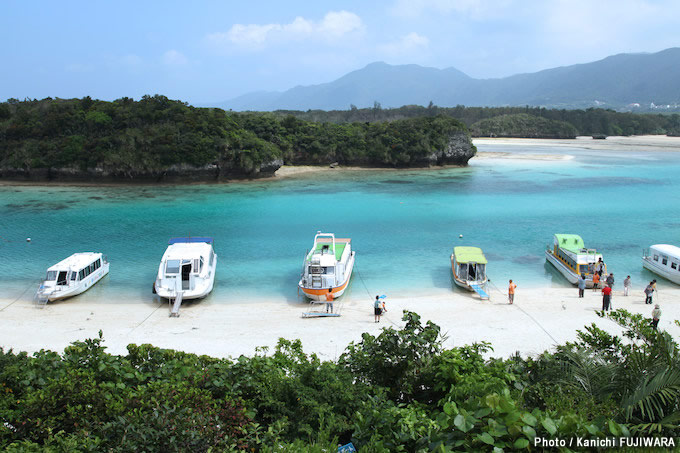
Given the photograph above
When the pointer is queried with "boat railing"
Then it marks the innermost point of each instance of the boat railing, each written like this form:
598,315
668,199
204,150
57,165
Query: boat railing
318,235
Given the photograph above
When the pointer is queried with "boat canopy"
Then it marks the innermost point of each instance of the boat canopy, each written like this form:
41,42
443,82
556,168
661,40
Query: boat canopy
190,240
469,255
570,242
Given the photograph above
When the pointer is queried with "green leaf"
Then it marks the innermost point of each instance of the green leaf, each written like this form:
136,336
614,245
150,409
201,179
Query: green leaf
450,408
459,422
529,432
521,443
483,412
486,438
614,428
549,425
528,419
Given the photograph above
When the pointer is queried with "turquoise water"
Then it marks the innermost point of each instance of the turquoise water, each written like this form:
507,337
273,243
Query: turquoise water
403,224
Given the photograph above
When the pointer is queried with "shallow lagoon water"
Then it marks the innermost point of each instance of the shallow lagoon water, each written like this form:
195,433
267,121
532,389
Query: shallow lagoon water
403,224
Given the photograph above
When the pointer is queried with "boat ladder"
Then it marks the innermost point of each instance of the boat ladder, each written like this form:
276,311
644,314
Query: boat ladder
481,291
318,313
174,311
41,298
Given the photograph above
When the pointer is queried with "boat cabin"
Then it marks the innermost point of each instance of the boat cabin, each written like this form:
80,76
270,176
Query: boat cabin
664,260
73,269
469,264
570,250
326,262
185,260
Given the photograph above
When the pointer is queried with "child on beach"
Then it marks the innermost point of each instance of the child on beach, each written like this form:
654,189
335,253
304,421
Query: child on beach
596,281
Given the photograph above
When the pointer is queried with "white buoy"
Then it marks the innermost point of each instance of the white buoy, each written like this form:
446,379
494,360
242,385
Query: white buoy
28,239
460,236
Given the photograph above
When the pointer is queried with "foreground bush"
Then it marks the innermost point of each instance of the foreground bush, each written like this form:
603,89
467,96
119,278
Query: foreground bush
398,391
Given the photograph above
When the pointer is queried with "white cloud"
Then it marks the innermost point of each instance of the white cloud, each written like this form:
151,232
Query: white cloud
408,46
335,24
174,58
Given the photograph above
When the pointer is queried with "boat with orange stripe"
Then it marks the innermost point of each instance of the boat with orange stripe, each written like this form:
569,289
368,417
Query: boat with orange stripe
328,265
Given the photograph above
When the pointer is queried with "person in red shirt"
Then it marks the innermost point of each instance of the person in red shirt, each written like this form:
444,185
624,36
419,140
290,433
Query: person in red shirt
329,300
606,298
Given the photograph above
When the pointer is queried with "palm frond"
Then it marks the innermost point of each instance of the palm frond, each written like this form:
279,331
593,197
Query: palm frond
655,396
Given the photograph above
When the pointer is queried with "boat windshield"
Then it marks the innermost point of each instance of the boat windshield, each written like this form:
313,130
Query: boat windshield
172,267
51,276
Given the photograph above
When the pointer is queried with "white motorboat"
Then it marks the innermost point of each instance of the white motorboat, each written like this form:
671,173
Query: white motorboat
187,270
327,266
72,276
663,260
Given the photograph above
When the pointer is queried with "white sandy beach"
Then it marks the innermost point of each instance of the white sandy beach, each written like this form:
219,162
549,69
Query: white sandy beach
540,318
613,143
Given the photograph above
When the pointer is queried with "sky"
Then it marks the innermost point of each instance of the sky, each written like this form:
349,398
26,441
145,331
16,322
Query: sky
205,52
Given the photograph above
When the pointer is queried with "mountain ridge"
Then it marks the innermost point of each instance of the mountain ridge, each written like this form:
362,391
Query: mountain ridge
615,81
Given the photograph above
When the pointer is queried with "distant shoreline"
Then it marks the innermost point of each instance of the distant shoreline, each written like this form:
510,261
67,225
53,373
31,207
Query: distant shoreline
638,143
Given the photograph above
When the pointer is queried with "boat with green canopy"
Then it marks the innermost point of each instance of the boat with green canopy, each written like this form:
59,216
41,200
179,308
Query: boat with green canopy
570,256
468,265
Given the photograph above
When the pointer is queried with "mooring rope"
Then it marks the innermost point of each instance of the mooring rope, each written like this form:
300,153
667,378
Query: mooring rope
527,314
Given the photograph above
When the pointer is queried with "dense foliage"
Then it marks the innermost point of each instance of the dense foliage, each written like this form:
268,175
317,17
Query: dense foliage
128,138
586,122
523,125
398,391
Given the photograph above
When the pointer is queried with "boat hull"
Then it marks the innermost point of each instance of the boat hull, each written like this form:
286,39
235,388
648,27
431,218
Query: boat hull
319,294
570,275
71,292
658,270
199,292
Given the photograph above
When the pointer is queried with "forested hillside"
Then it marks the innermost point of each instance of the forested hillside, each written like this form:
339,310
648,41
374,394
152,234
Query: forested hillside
585,122
161,139
398,391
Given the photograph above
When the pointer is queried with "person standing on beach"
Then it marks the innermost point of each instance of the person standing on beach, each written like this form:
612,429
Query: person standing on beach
610,281
581,285
599,267
606,298
329,300
511,292
377,310
596,281
656,314
626,285
649,290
